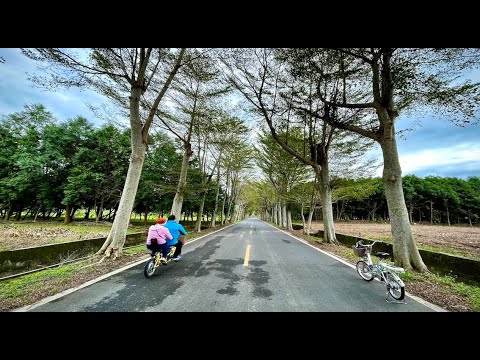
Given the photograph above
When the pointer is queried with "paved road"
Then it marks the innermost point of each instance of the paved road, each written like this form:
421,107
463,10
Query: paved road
283,274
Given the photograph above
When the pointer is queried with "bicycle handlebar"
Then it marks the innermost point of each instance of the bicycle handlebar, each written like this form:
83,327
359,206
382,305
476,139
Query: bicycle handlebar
369,245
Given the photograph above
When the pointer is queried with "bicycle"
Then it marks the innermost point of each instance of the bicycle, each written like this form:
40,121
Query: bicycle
384,272
154,262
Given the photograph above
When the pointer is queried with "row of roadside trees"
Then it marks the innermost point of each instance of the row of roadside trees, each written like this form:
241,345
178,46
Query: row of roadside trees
322,96
318,104
171,89
52,169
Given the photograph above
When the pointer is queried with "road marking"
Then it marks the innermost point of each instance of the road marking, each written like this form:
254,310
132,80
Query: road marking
250,232
247,256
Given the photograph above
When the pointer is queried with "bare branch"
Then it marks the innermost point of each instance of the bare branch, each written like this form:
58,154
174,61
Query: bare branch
149,120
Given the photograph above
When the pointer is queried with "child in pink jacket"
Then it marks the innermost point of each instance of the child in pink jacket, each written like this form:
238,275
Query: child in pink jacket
159,232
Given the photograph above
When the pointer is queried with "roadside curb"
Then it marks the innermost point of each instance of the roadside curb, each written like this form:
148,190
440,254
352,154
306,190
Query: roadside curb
416,298
100,278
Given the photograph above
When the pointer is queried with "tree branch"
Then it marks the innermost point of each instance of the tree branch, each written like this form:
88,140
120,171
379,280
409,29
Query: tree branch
373,105
151,114
341,125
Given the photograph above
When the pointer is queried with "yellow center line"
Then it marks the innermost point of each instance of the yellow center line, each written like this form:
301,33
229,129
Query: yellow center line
247,256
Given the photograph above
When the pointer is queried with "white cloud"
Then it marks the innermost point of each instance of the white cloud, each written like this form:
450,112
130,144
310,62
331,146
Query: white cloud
441,158
429,158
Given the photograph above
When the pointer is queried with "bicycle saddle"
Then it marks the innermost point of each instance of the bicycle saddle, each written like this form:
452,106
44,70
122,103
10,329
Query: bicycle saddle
382,255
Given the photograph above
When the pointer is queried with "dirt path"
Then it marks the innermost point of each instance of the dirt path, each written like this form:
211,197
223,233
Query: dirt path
463,239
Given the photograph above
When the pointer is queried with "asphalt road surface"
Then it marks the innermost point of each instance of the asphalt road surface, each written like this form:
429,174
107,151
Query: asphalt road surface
250,266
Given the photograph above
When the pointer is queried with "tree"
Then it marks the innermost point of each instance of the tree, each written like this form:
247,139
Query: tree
22,171
159,176
194,86
357,190
380,83
413,194
223,131
142,75
283,170
98,175
262,76
60,145
237,161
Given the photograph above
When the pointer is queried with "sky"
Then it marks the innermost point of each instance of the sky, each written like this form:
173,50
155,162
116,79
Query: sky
434,146
16,91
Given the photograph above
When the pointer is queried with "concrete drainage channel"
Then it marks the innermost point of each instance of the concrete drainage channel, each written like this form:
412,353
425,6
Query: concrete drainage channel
53,266
29,260
29,254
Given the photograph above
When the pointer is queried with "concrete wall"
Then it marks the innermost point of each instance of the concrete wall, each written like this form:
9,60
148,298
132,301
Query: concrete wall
30,258
437,262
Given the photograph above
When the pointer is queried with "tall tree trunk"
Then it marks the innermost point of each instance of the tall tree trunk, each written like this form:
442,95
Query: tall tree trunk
182,183
100,209
431,212
312,208
303,219
25,214
410,213
116,238
68,218
274,211
405,250
228,217
36,213
374,210
74,210
9,211
200,212
469,217
146,216
231,201
206,185
279,213
215,207
289,219
284,215
326,198
448,217
222,214
342,208
310,217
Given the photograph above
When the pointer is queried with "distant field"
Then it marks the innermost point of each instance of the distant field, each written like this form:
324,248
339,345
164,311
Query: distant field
459,240
21,234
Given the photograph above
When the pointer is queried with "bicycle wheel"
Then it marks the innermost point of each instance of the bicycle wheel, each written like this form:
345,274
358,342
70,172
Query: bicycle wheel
364,271
395,288
149,268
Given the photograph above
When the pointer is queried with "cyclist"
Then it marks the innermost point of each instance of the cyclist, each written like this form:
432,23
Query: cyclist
175,229
160,232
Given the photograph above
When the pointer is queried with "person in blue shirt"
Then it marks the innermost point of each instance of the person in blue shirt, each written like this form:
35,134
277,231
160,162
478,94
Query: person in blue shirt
176,230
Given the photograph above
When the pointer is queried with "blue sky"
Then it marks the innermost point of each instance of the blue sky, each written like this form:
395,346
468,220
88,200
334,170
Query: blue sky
16,91
434,147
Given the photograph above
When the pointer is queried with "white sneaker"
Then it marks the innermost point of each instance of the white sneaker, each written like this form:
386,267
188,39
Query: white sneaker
177,258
